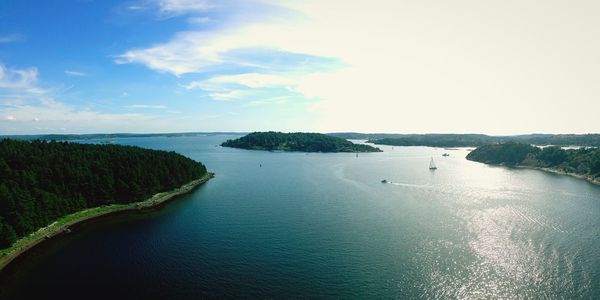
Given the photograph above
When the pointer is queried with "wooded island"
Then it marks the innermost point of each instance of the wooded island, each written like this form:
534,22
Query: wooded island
297,141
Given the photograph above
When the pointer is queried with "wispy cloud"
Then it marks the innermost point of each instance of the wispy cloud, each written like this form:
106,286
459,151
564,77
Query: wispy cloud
268,101
233,41
146,106
229,95
12,38
240,86
199,20
248,80
188,52
75,73
171,8
252,80
183,6
25,107
23,80
50,110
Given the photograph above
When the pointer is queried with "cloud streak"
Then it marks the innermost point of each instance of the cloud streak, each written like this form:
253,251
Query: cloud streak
13,38
148,106
75,73
176,7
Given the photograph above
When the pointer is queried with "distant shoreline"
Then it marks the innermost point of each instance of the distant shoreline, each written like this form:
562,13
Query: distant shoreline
547,170
63,225
558,172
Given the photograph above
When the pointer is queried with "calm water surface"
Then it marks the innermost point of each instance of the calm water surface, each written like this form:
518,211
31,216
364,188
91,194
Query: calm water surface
323,226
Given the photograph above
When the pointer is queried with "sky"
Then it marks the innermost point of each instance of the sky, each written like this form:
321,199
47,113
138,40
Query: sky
464,66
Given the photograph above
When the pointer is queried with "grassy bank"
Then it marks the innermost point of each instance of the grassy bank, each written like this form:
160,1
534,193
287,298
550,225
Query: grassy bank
63,224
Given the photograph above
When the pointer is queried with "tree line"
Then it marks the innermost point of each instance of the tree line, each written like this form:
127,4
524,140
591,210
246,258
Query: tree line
41,181
583,161
471,140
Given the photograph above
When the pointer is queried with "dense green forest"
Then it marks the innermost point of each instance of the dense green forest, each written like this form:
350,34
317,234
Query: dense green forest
41,181
583,161
471,140
299,141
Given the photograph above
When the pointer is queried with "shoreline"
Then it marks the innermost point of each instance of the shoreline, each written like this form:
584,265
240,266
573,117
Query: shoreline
63,225
548,170
558,172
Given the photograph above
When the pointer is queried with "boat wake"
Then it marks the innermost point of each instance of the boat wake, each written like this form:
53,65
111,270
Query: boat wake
410,185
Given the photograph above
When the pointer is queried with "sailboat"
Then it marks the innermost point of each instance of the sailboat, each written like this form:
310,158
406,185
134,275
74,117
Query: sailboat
432,165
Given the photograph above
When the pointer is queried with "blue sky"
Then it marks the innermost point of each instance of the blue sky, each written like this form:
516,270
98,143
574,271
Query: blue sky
387,66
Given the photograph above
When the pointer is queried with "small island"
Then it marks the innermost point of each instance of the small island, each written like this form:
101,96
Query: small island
298,141
46,187
582,163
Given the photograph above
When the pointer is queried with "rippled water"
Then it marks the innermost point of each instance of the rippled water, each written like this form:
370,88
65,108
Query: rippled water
322,225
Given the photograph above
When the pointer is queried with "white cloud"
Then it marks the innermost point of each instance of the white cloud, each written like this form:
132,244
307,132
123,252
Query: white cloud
75,73
217,92
431,66
24,80
187,53
146,106
198,50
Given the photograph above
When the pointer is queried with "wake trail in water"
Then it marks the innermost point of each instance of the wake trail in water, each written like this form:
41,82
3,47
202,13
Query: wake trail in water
410,185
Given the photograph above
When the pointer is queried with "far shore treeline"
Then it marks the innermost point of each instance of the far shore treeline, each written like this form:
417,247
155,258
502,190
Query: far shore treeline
42,181
471,140
296,141
583,161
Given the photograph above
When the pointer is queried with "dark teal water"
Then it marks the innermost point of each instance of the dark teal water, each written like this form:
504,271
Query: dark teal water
323,226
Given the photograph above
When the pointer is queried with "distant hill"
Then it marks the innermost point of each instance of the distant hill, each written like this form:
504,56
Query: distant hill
298,141
471,140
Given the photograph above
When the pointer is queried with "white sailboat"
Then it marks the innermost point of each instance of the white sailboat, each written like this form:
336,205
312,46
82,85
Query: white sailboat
432,165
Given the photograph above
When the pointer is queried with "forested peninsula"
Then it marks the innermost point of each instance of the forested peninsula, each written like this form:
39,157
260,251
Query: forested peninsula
41,182
298,141
583,162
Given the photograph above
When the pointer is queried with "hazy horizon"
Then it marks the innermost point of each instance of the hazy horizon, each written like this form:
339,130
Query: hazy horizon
323,132
168,66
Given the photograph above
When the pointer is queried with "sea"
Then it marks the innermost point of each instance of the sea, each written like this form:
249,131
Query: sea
286,225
